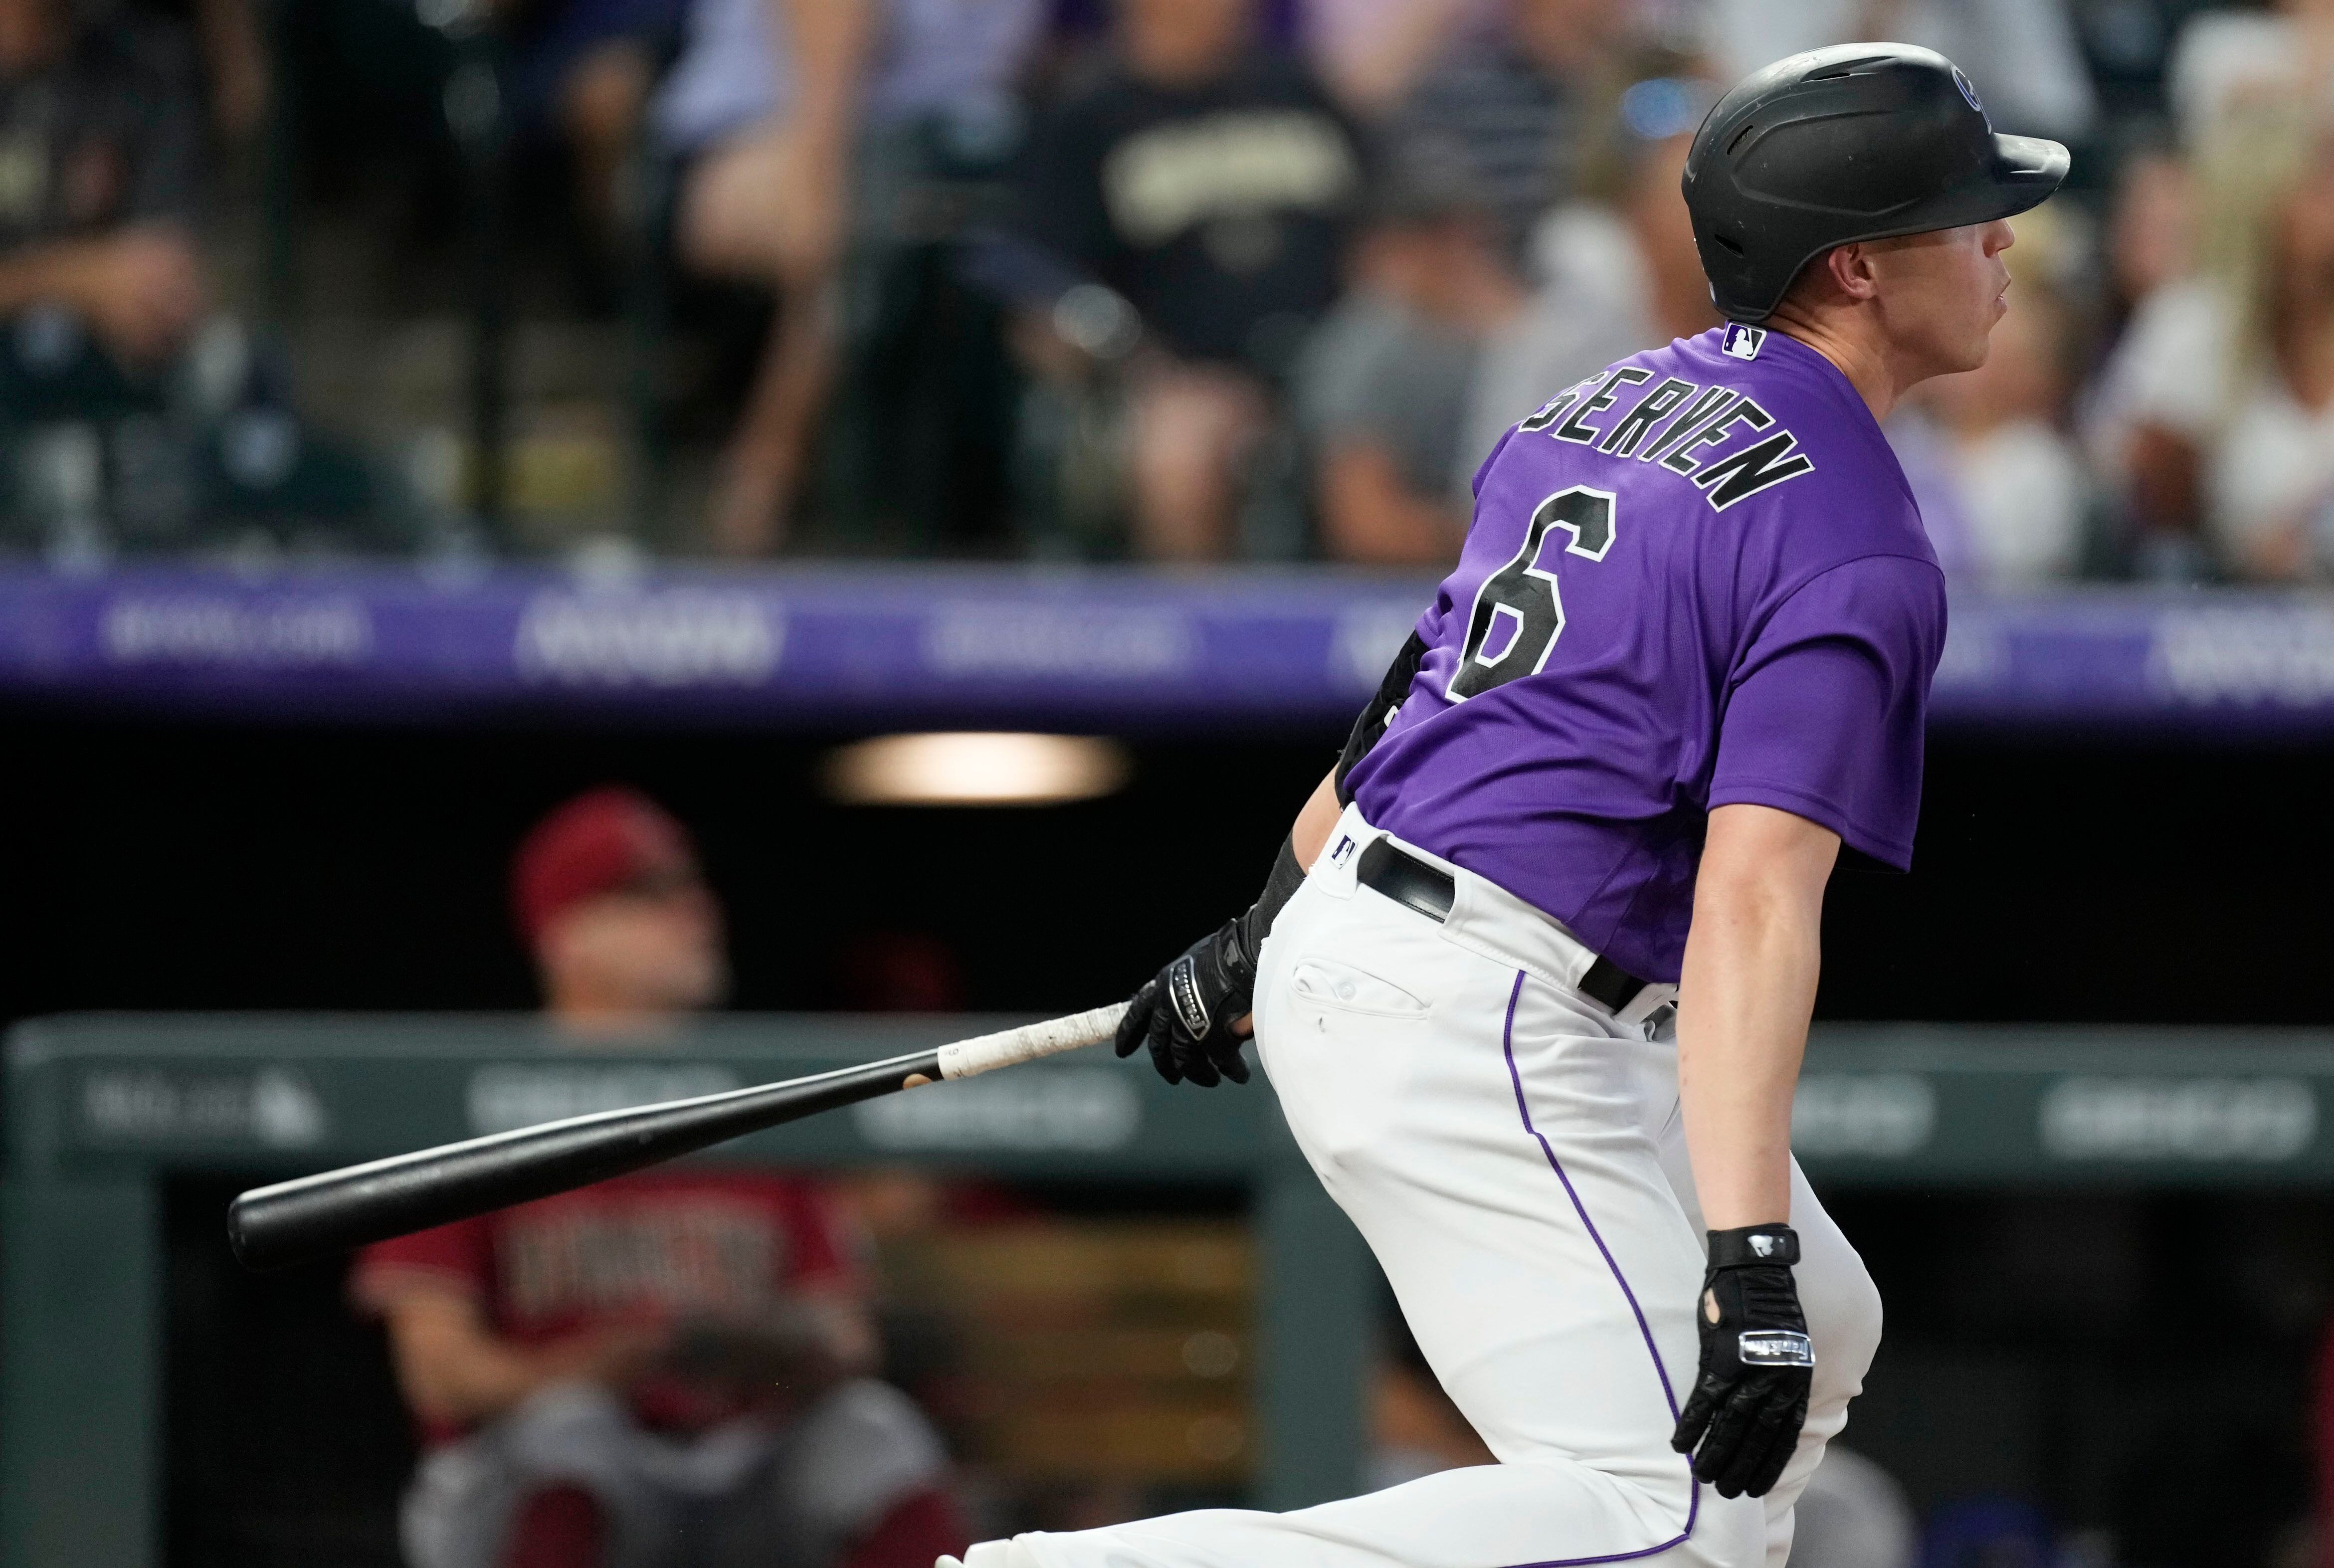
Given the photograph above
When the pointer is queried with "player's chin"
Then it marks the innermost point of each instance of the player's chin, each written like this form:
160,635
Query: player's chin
1967,355
1978,342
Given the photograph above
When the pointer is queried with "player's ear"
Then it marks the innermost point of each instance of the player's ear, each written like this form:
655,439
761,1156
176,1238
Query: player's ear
1853,270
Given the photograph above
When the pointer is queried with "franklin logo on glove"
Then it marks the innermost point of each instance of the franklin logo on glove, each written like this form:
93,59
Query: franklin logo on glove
1775,1348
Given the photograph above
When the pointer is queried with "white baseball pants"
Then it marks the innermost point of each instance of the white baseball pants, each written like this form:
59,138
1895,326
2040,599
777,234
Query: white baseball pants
1513,1154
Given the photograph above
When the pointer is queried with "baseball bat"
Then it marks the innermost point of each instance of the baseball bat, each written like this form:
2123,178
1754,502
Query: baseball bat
295,1221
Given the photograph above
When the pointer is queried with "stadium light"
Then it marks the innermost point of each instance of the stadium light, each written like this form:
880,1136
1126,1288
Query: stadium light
975,769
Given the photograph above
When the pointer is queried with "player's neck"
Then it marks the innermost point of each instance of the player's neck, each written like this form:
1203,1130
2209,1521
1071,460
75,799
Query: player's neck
1866,363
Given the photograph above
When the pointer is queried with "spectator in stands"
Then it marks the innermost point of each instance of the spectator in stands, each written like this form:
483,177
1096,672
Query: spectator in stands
2148,245
2010,497
234,49
763,126
1442,346
1522,101
1382,389
662,1368
101,154
2226,379
2232,62
582,71
1618,271
1205,184
764,109
2150,238
2024,51
1372,52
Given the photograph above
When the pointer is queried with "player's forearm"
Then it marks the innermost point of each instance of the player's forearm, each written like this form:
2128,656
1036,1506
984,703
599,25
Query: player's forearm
1748,990
1310,833
1742,1024
448,1375
452,1368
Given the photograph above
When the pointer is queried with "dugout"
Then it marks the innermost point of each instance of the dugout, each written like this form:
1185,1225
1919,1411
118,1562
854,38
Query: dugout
123,1131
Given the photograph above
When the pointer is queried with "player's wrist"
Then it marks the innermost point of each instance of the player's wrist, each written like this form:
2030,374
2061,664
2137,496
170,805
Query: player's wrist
1753,1246
1190,1015
1288,875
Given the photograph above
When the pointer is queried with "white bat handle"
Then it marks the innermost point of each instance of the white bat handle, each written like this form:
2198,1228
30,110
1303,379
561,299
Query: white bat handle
987,1052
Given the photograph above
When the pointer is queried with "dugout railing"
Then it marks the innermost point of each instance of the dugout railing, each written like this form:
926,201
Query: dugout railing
102,1110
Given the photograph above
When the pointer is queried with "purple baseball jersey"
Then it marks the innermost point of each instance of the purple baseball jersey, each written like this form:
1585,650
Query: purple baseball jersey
1697,578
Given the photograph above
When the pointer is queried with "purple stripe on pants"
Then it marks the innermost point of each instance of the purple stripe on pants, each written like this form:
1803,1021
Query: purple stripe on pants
1693,1507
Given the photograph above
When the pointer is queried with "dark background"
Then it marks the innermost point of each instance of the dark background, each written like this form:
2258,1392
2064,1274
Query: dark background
173,865
2138,1363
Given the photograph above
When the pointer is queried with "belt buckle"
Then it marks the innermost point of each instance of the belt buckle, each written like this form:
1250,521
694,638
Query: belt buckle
1647,1004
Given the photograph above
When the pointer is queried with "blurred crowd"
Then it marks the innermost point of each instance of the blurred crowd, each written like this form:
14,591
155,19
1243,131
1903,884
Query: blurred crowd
1166,280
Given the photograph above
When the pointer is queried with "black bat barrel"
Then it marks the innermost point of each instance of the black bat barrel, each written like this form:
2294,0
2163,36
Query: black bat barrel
297,1221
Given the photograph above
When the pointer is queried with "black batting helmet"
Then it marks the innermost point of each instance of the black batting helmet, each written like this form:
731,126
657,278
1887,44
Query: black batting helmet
1858,141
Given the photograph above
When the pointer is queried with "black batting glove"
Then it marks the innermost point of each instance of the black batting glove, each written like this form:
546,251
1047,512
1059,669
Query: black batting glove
1185,1014
1751,1398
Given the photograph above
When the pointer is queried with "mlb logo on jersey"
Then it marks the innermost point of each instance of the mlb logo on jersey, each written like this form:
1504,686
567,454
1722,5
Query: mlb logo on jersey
1741,342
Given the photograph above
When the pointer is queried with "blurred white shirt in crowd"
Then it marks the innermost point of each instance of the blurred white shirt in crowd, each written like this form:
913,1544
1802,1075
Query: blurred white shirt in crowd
2020,495
2268,461
930,55
2021,54
2223,58
1371,50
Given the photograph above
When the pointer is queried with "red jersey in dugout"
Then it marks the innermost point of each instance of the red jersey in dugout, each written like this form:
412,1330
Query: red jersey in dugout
643,1248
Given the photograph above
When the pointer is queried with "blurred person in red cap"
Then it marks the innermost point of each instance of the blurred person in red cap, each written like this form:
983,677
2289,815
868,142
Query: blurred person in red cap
609,899
670,1367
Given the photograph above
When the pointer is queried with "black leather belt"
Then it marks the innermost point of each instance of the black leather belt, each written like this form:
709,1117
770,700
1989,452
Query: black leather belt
1412,883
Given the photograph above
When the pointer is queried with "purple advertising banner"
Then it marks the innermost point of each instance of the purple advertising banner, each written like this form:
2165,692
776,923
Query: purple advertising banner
1066,649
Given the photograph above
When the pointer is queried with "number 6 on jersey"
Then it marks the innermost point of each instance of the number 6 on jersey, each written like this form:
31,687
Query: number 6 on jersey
1523,595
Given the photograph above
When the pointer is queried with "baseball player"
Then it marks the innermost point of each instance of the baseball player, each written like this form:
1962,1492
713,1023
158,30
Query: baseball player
1543,945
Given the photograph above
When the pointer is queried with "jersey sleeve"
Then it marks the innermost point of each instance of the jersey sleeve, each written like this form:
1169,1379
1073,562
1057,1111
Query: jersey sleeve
456,1257
2173,366
1827,707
